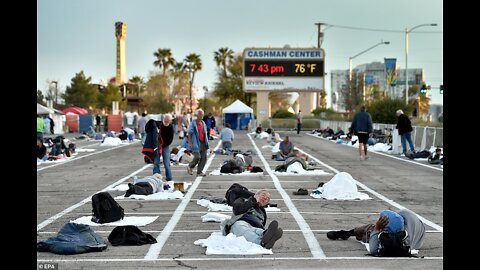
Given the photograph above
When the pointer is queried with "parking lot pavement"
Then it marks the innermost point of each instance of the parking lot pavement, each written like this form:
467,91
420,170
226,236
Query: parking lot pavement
63,194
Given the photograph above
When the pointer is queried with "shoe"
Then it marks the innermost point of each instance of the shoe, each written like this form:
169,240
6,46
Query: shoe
320,184
201,174
361,158
334,235
189,170
301,191
271,235
367,157
130,191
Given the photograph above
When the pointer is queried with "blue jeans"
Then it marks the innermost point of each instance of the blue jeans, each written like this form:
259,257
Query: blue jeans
407,137
166,162
251,234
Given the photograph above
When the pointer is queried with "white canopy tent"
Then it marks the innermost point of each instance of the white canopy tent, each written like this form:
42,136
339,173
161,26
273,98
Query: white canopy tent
57,116
238,115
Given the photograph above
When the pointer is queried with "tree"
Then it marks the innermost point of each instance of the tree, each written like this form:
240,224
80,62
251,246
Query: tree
157,94
106,97
383,111
164,59
228,89
353,93
40,97
221,57
181,85
193,64
81,92
138,85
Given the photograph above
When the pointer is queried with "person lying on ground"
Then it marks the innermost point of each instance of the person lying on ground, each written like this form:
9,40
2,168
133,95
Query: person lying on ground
148,185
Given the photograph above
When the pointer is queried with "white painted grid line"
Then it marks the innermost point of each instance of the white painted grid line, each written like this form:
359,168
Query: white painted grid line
312,242
86,200
162,238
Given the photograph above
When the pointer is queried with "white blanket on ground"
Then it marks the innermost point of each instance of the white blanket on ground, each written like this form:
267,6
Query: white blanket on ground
245,173
215,217
84,150
367,246
221,207
340,187
165,195
217,244
121,187
110,141
297,169
136,221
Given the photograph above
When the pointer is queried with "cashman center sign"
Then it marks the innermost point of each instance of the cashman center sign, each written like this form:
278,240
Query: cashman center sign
287,70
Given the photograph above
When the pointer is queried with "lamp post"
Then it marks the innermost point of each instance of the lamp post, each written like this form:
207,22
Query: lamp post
406,55
56,91
362,52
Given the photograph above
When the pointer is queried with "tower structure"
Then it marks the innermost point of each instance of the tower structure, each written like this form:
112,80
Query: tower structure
120,34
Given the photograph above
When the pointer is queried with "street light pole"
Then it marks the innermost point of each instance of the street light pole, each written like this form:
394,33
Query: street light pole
362,52
406,55
190,75
56,91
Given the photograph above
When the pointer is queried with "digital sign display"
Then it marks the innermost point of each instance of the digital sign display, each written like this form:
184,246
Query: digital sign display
283,68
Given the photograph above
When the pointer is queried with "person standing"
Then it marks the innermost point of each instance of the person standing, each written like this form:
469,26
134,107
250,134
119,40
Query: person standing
405,129
198,144
141,127
299,121
208,121
175,122
46,122
40,127
52,125
165,138
98,120
362,127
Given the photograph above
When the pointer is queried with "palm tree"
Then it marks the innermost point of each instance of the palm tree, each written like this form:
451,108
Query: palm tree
221,57
139,83
194,64
164,59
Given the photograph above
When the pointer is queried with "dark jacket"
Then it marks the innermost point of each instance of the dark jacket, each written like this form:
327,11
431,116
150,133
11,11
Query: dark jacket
41,151
166,134
254,214
151,140
73,238
403,124
362,122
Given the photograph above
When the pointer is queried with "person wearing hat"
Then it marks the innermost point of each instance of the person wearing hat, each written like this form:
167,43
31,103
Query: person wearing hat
391,222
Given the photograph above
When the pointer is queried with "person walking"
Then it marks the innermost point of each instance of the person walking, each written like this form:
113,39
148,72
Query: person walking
362,127
299,121
405,129
165,138
198,144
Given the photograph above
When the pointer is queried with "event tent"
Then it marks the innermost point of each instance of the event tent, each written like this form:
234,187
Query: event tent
42,110
75,110
238,115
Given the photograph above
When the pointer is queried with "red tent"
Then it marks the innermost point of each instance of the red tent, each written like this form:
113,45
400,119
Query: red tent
75,110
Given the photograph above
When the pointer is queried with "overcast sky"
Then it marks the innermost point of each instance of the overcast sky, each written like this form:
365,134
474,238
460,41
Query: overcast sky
79,35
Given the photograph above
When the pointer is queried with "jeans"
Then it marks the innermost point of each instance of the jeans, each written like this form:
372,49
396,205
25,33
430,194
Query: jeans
143,137
200,158
407,137
251,234
166,162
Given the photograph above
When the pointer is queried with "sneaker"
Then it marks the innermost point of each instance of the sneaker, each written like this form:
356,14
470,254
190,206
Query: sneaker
361,158
334,235
201,174
189,170
367,157
301,191
271,235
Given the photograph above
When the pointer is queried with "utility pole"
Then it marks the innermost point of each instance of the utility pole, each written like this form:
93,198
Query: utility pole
56,91
319,45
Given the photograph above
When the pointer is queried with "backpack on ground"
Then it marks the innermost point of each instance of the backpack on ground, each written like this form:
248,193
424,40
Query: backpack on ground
236,191
393,245
130,236
105,209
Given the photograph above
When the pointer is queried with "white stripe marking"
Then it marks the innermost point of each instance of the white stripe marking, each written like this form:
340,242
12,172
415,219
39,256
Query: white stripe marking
155,249
380,196
390,156
88,199
77,158
313,244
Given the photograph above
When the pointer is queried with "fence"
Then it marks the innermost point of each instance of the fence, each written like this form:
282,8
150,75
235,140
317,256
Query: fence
422,137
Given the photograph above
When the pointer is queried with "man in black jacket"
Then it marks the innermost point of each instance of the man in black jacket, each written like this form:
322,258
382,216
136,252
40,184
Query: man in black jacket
250,218
405,129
